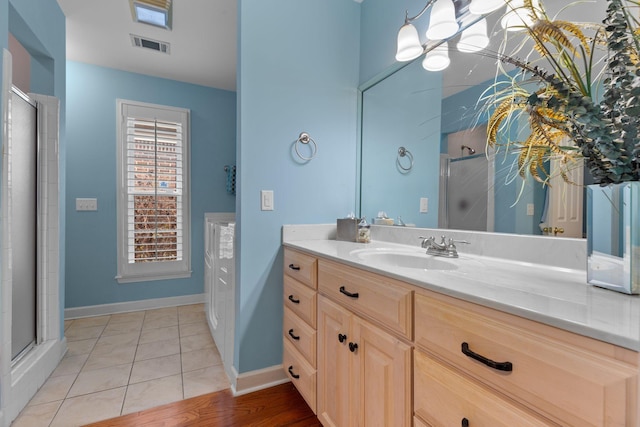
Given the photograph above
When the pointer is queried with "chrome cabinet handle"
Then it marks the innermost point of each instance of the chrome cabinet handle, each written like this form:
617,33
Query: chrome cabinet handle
500,366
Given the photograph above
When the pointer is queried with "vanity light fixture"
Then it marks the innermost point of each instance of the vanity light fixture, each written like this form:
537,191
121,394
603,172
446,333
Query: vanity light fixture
474,38
437,59
442,22
446,19
153,12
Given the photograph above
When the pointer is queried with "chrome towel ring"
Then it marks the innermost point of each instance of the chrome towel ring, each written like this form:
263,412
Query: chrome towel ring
403,152
304,138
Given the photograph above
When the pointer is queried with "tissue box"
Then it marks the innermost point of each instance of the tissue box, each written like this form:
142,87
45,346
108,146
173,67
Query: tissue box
347,229
383,221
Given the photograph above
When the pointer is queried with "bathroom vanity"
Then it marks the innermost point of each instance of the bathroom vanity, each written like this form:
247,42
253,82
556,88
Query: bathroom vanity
370,338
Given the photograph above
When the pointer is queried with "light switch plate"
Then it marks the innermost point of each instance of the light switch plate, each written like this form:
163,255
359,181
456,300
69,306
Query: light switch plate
424,205
266,200
84,204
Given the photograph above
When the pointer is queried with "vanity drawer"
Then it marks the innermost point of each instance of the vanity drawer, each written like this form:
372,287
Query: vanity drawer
302,267
300,335
566,382
302,375
301,300
383,300
444,398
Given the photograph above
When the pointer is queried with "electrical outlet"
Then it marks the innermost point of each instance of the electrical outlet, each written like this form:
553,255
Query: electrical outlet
266,200
530,209
83,204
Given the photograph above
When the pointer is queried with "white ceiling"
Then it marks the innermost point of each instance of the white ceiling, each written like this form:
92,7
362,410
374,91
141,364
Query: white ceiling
203,40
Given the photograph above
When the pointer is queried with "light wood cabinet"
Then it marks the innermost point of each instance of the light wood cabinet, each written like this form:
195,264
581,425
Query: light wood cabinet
444,397
383,300
364,373
367,350
302,267
301,300
299,323
334,364
570,380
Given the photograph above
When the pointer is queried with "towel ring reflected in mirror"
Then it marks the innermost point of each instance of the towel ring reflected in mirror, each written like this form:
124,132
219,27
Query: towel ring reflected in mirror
305,139
403,152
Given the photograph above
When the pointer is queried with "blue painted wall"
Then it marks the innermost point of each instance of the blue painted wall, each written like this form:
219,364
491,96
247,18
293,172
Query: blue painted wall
91,172
381,20
401,111
297,71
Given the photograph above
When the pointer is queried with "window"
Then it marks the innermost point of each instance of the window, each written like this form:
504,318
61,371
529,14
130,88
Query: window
153,192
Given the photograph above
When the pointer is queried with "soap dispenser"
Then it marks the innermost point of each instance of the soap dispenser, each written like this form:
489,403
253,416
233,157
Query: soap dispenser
364,232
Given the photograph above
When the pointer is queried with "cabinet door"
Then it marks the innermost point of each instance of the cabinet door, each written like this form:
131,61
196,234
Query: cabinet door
381,377
334,359
444,398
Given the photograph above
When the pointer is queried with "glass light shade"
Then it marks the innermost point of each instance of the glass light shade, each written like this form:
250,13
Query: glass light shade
409,46
518,16
482,7
437,59
474,38
442,21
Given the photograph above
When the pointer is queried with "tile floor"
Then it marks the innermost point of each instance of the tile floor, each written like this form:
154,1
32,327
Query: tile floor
125,363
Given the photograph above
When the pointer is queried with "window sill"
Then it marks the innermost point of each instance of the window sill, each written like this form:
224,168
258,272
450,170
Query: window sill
150,278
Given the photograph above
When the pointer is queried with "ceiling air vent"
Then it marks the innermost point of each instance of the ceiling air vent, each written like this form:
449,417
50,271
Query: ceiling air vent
147,43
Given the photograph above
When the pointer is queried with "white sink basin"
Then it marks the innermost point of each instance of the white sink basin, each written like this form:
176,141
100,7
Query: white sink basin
404,259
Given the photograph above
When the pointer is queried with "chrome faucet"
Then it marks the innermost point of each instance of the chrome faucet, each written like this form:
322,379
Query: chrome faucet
443,248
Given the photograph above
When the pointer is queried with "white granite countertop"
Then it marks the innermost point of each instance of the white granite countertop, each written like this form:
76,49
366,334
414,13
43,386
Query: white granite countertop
555,296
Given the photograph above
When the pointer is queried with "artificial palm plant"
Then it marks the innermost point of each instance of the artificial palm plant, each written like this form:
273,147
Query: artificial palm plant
578,88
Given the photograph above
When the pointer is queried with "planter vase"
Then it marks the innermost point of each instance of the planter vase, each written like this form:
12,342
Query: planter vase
613,237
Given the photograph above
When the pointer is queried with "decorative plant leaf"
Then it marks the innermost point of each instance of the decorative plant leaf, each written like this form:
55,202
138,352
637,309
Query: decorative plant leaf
606,131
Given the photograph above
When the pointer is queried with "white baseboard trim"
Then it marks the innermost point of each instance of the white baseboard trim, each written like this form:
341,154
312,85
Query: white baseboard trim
127,306
248,382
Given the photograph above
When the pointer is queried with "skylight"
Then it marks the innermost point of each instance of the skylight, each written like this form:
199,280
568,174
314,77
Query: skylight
156,13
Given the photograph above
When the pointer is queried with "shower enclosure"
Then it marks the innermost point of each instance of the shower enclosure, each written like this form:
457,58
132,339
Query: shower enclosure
466,188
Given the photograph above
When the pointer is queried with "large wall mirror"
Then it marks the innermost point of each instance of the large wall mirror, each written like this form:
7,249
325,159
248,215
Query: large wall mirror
423,155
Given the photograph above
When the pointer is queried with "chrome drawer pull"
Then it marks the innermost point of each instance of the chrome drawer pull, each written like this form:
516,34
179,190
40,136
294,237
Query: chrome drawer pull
349,294
500,366
292,374
293,300
293,336
294,267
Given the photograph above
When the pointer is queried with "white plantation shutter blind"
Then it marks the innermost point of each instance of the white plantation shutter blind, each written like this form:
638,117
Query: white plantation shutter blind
154,187
153,165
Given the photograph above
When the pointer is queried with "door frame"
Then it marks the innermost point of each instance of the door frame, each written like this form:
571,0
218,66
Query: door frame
21,381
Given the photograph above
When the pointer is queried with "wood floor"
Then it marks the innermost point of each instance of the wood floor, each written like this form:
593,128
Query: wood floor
276,406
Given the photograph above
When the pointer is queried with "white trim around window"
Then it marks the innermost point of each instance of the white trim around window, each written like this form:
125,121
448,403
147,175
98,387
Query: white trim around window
153,192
